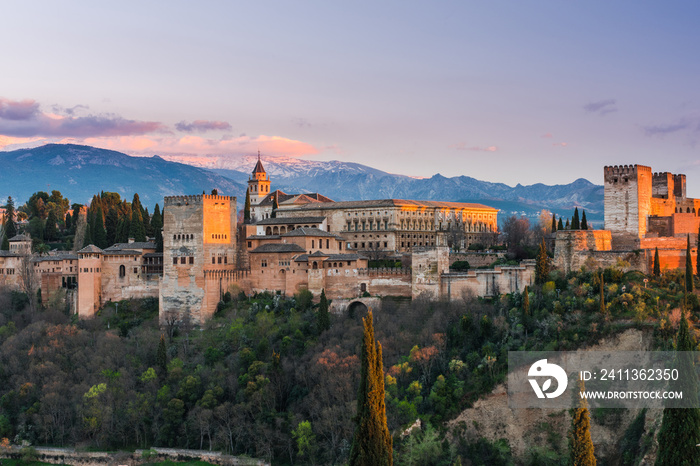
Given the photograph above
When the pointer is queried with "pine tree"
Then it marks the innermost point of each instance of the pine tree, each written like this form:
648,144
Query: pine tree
554,223
542,266
50,229
657,264
584,222
9,226
560,225
575,223
688,268
372,443
323,317
580,443
246,207
680,428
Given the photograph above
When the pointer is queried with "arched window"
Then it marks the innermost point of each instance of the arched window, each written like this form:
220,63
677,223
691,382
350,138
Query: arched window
315,265
122,271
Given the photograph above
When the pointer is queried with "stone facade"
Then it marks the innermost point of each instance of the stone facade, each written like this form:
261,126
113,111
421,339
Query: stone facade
199,236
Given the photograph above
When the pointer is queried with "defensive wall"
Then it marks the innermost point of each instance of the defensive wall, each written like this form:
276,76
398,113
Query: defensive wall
477,258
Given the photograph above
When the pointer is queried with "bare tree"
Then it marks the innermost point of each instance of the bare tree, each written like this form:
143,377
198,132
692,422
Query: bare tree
28,282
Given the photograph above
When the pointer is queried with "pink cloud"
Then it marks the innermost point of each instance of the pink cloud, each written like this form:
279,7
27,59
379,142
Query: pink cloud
547,136
24,119
560,144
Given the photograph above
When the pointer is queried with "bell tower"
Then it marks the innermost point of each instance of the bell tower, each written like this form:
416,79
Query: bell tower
258,184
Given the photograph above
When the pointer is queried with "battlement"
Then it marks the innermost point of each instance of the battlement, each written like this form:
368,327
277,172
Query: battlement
613,172
194,198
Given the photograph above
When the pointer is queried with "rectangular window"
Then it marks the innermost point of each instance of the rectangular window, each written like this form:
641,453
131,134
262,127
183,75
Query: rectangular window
327,244
250,244
174,260
263,263
313,244
225,259
213,260
219,259
191,260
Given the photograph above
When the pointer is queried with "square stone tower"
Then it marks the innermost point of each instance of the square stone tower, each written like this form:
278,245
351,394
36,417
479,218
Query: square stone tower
627,198
199,236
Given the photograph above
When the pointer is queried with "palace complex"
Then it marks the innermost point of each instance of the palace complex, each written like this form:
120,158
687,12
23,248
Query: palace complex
644,211
292,242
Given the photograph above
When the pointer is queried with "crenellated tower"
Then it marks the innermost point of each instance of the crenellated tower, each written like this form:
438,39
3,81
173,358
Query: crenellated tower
627,198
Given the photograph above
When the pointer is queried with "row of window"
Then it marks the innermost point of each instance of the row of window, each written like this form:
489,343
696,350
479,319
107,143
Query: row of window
7,271
122,271
320,244
218,259
90,269
371,245
218,236
183,260
183,237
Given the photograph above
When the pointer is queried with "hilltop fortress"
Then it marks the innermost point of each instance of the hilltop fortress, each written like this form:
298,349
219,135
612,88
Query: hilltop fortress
643,211
292,242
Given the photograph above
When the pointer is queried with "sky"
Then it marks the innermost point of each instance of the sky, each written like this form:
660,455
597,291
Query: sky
512,92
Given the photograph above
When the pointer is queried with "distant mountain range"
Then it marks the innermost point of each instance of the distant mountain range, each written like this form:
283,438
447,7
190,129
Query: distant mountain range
81,171
351,181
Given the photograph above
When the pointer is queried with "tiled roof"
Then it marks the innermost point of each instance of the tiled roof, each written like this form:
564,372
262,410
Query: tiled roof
8,254
263,237
290,220
91,248
278,247
345,257
258,166
121,252
393,203
311,232
21,237
134,245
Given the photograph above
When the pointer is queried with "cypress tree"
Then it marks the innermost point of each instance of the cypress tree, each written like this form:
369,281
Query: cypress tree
99,235
87,240
68,221
157,224
554,223
136,229
542,266
584,222
147,228
657,264
526,302
323,317
5,246
688,268
680,428
246,207
568,225
603,309
111,224
371,444
275,206
9,225
50,229
575,223
162,357
580,443
560,225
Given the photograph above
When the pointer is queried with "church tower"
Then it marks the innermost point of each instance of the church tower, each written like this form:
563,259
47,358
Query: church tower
258,188
258,183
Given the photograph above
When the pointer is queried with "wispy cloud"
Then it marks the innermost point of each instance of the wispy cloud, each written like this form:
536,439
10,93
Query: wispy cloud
201,126
464,146
25,119
687,123
547,136
601,107
560,144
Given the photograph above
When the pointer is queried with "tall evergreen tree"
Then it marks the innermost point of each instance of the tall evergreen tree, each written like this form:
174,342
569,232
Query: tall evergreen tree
111,224
542,265
568,225
680,428
136,229
603,309
68,222
526,302
246,207
275,206
50,229
87,239
688,268
5,245
584,222
554,223
560,225
147,228
657,264
575,223
9,225
162,356
99,235
580,443
372,443
323,317
157,224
